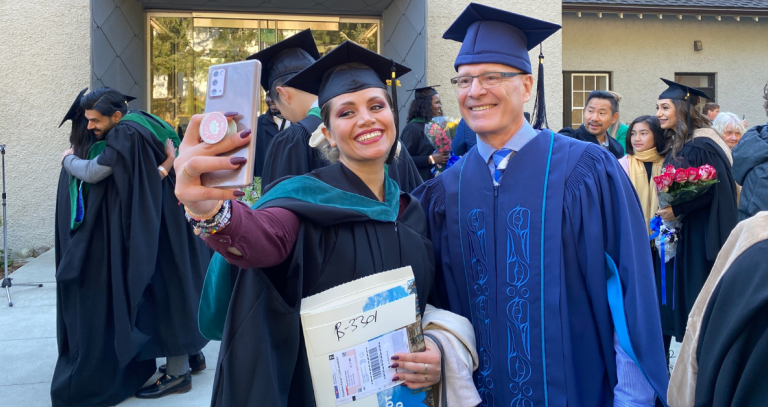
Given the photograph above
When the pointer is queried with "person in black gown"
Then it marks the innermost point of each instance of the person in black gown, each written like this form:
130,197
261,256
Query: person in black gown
355,223
425,105
706,221
725,350
269,124
129,270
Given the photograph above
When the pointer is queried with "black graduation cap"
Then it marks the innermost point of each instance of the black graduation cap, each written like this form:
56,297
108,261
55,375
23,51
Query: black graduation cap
287,57
75,110
351,68
491,35
347,68
128,98
426,90
677,91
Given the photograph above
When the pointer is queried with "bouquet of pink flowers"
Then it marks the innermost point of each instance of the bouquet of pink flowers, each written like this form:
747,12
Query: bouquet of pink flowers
677,185
441,141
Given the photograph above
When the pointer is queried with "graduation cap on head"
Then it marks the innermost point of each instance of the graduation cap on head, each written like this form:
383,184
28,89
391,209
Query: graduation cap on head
128,98
424,91
494,36
287,57
678,91
75,110
346,69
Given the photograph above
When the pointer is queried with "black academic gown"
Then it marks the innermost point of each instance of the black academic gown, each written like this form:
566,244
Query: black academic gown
290,154
262,361
582,134
266,130
707,222
733,341
419,147
128,279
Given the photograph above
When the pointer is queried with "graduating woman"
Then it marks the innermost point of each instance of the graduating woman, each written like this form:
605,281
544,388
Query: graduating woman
708,219
426,105
309,233
643,161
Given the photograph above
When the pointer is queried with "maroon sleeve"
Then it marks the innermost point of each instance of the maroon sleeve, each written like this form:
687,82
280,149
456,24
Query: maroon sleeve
265,237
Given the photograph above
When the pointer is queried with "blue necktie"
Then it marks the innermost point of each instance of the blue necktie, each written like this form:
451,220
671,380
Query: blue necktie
498,157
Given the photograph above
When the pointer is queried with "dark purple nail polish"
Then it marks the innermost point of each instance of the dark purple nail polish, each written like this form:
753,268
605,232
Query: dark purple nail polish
238,160
239,193
395,357
394,365
245,133
230,114
403,384
395,378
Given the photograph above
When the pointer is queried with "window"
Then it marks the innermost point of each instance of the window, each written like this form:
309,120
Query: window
701,81
183,47
576,88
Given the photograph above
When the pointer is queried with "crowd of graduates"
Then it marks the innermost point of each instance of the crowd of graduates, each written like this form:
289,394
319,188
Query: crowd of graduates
532,255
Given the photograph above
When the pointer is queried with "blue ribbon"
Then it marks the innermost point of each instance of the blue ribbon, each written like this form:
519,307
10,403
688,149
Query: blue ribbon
655,225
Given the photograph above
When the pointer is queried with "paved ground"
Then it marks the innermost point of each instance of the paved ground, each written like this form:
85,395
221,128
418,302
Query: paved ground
28,345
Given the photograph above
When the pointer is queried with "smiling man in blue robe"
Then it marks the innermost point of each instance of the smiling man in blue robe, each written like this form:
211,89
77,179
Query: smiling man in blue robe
540,241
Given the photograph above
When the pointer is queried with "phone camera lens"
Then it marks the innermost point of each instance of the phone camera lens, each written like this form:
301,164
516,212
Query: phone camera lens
215,73
215,82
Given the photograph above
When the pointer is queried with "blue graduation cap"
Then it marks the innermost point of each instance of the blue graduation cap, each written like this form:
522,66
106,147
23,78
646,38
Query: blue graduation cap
491,35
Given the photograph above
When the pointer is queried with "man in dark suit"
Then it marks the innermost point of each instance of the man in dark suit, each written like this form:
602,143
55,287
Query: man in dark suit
269,124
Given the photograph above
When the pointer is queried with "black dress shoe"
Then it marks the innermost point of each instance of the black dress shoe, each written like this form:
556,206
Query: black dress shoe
166,385
196,363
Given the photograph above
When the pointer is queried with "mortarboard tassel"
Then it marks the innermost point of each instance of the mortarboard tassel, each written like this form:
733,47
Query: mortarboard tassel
393,86
539,107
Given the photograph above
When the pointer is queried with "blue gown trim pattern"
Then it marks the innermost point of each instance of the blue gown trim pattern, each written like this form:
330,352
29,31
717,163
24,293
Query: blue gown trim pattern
478,252
543,216
518,309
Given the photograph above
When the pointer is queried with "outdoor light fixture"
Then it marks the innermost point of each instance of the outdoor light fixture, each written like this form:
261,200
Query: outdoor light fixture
697,46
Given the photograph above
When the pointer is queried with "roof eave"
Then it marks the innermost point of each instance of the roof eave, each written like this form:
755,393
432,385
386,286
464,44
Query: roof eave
635,9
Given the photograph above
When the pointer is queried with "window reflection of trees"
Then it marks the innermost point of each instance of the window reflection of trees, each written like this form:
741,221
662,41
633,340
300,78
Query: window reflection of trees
181,54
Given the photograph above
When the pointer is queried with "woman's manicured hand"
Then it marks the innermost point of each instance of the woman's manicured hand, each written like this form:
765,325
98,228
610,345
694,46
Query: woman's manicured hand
419,362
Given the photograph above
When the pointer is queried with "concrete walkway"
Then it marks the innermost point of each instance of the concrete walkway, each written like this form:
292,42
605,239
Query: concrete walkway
28,345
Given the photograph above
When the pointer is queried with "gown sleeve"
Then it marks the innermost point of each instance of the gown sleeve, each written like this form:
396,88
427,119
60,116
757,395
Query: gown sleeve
459,143
431,195
412,140
86,170
264,237
602,218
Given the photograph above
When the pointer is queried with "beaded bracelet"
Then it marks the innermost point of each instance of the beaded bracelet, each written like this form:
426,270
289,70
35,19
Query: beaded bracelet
217,222
208,215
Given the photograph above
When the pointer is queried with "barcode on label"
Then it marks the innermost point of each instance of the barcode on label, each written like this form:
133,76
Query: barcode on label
373,356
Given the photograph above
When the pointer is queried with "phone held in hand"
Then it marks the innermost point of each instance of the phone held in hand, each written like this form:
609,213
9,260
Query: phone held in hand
234,87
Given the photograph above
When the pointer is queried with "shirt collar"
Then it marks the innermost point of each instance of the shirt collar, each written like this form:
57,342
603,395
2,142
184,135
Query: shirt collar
516,143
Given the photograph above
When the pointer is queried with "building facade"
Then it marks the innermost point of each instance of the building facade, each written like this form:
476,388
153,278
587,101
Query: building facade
159,51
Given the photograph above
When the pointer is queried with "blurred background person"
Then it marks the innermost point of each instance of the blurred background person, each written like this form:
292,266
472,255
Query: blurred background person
730,128
600,113
425,105
711,110
618,130
463,140
643,161
269,124
750,168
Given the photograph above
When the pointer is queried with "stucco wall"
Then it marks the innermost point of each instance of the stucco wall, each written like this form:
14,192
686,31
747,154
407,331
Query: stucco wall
639,52
442,53
45,63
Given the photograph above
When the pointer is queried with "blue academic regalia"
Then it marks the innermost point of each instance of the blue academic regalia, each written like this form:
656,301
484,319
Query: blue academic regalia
529,262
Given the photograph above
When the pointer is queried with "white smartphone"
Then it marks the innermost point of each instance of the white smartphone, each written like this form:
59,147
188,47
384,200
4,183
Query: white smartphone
234,87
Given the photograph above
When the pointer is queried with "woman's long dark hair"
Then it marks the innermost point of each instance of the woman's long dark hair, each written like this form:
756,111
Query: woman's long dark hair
80,137
654,126
681,134
422,105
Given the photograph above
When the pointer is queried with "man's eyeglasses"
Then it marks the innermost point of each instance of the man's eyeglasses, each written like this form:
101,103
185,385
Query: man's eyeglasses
487,80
